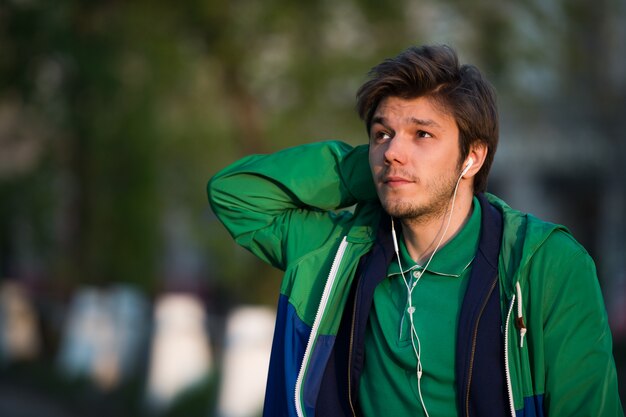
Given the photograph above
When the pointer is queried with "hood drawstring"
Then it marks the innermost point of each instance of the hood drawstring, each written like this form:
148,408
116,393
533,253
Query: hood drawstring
519,320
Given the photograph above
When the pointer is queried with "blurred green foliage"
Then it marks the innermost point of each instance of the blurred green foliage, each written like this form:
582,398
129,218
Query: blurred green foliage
130,107
113,115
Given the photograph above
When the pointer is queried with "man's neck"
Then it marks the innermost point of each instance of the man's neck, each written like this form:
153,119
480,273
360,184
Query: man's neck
421,238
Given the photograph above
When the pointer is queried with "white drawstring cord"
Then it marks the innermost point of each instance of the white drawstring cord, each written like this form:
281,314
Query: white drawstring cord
519,321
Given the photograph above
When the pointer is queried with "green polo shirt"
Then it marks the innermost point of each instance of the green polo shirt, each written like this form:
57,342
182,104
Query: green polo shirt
388,384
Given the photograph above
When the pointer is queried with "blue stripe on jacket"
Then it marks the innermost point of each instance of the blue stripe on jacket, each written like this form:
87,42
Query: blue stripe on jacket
290,337
533,407
319,356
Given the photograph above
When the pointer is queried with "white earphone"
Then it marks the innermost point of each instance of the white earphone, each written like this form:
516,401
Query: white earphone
469,164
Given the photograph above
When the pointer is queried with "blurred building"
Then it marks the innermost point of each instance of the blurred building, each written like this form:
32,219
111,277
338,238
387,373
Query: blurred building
105,335
20,338
247,347
180,354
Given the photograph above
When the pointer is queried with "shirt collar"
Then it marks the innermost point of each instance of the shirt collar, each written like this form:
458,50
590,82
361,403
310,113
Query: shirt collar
453,258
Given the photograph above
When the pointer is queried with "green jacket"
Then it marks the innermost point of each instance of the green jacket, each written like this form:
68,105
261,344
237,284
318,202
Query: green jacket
312,211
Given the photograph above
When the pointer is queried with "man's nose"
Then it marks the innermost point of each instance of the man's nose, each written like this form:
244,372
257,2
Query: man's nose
396,150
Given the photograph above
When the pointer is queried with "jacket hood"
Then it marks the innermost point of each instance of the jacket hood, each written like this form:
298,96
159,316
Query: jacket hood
523,235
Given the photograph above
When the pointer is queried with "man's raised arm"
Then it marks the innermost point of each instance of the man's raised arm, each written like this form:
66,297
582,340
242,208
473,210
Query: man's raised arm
260,197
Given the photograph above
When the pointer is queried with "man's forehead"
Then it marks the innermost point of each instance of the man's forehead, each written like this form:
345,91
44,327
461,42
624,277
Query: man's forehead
422,111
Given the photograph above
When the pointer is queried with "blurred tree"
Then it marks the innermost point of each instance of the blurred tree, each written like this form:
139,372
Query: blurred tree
128,108
92,81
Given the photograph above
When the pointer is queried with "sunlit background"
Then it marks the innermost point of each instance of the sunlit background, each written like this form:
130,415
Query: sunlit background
122,295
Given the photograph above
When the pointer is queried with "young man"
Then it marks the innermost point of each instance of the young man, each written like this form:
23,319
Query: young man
430,297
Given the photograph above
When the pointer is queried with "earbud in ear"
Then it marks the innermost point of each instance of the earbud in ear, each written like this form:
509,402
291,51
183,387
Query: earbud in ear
469,164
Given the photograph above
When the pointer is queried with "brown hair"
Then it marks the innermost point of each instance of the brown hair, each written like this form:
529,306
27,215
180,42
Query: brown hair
461,90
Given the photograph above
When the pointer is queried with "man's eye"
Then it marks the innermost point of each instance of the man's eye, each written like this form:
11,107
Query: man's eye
382,135
423,134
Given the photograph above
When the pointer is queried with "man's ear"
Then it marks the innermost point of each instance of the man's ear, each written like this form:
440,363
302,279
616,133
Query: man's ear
478,153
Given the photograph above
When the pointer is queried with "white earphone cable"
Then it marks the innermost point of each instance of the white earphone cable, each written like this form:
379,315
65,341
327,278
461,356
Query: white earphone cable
410,286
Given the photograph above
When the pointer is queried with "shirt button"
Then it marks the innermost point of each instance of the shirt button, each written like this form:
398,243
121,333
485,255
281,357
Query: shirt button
416,274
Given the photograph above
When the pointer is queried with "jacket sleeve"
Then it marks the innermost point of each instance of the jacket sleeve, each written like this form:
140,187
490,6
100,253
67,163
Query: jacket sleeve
283,205
580,374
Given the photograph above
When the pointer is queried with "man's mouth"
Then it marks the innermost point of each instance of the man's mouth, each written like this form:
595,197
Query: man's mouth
396,181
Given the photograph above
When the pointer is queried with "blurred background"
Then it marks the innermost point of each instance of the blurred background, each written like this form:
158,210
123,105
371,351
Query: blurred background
122,295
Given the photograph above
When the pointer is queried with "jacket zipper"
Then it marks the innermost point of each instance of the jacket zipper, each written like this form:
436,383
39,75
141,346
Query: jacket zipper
473,351
350,353
506,358
316,323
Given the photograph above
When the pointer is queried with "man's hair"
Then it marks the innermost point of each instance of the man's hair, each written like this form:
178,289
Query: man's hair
461,90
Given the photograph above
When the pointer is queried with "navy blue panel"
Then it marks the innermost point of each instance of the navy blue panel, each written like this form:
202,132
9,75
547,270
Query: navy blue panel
533,407
317,365
290,339
480,344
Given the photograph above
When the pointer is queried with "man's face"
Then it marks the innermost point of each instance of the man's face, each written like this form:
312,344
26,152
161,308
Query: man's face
414,157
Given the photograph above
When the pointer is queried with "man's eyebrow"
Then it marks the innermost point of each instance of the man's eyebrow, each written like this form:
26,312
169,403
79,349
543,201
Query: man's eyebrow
380,120
414,120
424,122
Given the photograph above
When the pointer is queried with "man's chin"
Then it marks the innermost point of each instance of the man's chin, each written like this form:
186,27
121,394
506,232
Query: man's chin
401,209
